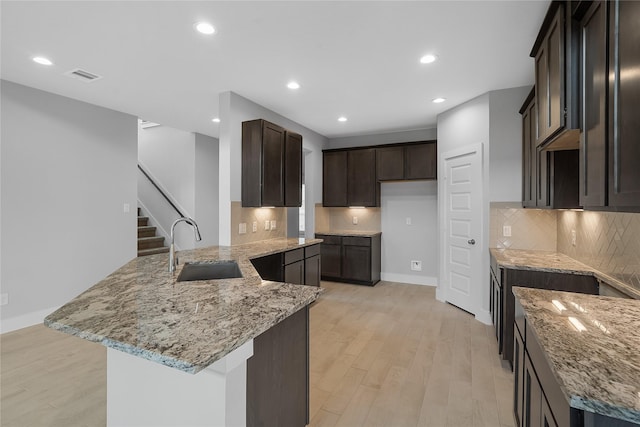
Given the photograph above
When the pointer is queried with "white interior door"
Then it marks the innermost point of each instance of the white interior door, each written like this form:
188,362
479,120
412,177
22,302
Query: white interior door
462,233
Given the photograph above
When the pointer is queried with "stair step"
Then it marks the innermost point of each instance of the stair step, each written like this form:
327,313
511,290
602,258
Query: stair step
146,231
143,220
144,252
150,242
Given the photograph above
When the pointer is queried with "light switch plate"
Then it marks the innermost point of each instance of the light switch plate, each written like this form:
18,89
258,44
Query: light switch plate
408,220
506,230
273,224
126,208
254,226
355,220
4,299
266,225
242,229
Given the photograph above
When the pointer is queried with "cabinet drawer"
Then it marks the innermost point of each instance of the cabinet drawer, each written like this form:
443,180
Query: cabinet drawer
329,240
310,251
356,241
293,256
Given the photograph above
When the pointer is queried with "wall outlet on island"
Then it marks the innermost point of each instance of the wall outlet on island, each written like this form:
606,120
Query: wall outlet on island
416,265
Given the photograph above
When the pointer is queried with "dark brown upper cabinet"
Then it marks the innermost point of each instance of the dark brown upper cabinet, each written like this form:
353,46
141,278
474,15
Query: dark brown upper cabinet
349,178
593,140
624,103
529,152
556,79
609,145
407,162
271,165
334,178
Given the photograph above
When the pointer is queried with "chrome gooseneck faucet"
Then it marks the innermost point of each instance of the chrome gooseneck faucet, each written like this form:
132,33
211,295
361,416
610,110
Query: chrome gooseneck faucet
173,260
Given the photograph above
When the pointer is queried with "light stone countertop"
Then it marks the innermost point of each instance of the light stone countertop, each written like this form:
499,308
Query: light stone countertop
598,369
141,309
556,262
349,233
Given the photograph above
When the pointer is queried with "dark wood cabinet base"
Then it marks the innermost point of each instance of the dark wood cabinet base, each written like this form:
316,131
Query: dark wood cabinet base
278,374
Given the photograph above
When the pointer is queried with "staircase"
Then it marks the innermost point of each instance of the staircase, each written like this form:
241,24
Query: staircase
148,242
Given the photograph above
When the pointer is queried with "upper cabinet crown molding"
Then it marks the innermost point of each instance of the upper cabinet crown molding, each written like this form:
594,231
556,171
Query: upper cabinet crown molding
271,165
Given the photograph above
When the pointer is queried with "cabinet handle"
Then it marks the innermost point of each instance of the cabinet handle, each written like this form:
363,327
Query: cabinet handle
471,242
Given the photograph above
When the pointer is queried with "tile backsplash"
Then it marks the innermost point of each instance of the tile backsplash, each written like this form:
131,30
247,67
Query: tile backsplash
259,215
532,229
327,219
607,241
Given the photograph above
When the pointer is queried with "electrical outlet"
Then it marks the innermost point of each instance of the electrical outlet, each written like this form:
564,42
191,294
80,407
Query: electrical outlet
354,220
242,228
416,265
266,225
273,224
408,220
506,230
573,237
126,208
254,226
4,299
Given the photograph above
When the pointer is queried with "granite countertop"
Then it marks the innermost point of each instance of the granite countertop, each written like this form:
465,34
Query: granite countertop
350,233
141,309
598,369
556,262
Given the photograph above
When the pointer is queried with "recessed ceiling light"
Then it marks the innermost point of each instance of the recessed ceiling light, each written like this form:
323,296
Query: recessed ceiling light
428,59
342,119
216,120
438,100
42,60
204,28
293,85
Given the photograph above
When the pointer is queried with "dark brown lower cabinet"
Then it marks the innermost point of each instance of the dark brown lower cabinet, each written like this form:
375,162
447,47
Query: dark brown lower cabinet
351,259
496,305
298,266
278,374
518,376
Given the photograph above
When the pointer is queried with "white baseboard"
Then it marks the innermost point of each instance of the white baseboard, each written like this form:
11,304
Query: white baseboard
25,320
407,278
484,316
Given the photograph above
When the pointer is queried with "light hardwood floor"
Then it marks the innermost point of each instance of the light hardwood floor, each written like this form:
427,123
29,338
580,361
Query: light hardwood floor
390,355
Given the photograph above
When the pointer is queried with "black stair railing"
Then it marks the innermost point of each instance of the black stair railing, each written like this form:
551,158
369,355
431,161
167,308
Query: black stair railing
160,190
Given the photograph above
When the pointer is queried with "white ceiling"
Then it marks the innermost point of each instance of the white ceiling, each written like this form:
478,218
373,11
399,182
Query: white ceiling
359,59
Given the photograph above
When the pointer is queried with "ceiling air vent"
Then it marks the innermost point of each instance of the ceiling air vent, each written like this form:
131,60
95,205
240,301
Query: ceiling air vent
83,75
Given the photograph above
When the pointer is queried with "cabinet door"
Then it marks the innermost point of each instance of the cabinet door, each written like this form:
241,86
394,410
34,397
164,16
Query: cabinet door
312,271
518,377
390,163
362,187
357,263
331,260
334,178
550,76
532,397
542,179
292,169
272,165
529,154
294,273
547,415
421,161
593,139
624,101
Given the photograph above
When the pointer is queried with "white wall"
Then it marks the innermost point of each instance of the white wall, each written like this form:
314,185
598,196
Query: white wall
234,109
68,168
384,138
185,165
206,189
461,126
402,243
505,172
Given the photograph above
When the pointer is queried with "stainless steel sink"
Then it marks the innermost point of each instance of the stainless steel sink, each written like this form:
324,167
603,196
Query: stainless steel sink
209,270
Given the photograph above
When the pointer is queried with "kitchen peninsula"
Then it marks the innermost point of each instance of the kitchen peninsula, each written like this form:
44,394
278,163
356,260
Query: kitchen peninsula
141,312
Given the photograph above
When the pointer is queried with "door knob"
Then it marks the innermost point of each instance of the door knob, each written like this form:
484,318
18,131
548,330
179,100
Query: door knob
471,242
